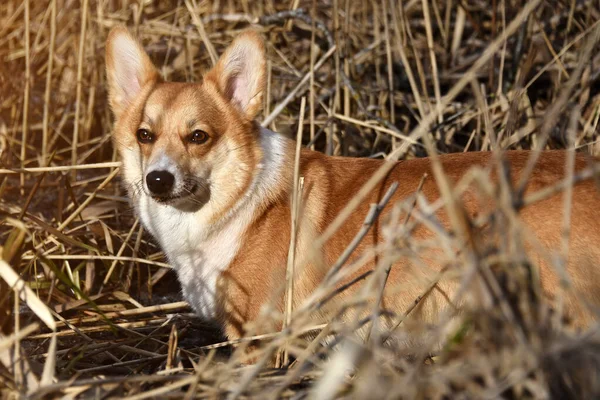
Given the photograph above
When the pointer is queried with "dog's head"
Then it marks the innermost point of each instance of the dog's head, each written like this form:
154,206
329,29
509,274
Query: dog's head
187,144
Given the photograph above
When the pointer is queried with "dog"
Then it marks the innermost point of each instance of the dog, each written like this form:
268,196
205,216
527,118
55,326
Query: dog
215,190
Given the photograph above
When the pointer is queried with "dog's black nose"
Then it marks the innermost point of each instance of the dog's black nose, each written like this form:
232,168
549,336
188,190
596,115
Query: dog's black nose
160,182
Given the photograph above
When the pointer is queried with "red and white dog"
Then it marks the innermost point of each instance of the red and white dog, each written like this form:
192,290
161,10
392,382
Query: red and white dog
214,188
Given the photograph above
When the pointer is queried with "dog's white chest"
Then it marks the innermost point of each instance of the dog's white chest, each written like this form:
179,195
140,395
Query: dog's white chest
198,256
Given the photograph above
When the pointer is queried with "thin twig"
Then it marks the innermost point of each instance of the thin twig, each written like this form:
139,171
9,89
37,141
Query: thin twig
295,216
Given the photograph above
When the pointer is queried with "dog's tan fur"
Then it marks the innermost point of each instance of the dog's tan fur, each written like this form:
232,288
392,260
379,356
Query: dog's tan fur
240,224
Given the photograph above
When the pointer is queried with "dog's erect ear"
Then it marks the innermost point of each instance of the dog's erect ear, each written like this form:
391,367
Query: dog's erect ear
128,69
240,73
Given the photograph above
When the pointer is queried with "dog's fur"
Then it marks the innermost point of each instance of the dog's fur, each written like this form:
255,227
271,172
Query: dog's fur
226,226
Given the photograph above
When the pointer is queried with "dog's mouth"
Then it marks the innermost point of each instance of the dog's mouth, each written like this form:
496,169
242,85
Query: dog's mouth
170,198
186,192
192,192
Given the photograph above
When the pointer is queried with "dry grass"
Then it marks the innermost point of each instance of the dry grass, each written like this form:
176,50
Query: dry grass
88,308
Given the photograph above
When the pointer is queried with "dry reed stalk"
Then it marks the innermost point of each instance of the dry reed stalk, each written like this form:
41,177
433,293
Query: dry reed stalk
80,54
51,54
25,125
297,192
62,168
311,96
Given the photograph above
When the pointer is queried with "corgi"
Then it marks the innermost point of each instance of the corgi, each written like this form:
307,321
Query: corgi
214,188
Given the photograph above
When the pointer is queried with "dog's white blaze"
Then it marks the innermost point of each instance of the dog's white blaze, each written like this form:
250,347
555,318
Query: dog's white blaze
162,162
199,252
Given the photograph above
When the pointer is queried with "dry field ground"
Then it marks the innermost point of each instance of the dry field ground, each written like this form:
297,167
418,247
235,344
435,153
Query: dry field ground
90,309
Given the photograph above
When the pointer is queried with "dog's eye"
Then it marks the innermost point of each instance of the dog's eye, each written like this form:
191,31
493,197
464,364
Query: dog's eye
198,136
144,136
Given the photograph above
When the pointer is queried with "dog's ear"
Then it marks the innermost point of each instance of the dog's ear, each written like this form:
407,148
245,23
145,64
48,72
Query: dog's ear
128,69
240,73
